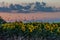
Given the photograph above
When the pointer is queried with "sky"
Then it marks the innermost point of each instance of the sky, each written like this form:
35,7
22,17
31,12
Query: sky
49,2
55,3
18,1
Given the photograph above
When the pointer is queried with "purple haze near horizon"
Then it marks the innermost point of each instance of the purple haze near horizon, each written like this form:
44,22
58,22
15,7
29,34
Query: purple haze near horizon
39,16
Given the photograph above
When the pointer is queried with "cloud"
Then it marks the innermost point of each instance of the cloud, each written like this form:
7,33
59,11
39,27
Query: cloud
31,7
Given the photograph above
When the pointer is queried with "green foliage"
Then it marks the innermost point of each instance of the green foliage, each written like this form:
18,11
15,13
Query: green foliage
33,29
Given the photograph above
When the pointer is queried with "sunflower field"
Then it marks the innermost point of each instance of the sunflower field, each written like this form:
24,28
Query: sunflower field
30,31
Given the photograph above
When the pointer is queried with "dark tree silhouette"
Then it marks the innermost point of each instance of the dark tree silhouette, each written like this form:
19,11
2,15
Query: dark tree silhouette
2,21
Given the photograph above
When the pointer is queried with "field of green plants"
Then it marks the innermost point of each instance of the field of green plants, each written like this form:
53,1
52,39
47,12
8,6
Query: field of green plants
29,31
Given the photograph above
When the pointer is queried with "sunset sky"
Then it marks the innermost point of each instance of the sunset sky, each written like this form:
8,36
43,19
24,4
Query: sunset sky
50,13
49,2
